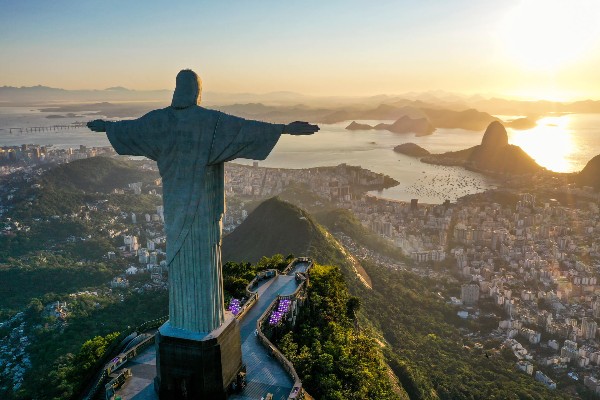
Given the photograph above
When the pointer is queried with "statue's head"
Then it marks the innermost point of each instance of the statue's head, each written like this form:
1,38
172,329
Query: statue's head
188,88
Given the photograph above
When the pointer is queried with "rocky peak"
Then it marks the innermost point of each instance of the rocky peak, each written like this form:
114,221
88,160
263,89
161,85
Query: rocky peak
495,136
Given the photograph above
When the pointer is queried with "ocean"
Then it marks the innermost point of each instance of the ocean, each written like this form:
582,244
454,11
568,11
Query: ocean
562,143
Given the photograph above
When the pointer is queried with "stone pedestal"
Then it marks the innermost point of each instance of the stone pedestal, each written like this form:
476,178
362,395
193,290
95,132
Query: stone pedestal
196,365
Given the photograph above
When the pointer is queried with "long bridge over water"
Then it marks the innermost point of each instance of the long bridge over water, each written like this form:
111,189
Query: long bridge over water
47,128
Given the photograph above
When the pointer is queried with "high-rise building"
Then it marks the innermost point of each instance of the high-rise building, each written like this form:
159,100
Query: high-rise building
143,256
131,242
596,307
588,328
414,204
470,293
569,350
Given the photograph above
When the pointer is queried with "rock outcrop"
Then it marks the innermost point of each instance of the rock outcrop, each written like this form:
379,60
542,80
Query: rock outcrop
411,149
355,126
494,155
495,136
590,174
420,126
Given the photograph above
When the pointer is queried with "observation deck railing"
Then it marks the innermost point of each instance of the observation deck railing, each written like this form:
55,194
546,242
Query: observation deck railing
109,366
297,391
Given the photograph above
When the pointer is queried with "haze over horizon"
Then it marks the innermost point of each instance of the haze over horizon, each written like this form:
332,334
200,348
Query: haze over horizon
528,49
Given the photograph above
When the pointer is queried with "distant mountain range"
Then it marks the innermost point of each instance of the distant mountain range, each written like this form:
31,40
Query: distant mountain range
473,111
43,94
96,174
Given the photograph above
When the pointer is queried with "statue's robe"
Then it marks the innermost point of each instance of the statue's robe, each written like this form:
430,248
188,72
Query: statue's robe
190,146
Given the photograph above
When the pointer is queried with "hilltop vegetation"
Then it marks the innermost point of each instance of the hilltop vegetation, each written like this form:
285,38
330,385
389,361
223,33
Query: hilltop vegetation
340,220
59,237
259,233
48,273
67,188
53,248
427,351
97,174
64,360
276,226
334,360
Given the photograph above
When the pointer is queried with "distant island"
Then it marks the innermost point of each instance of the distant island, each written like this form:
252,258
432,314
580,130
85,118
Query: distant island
424,121
355,126
420,126
494,155
68,115
411,149
522,123
405,124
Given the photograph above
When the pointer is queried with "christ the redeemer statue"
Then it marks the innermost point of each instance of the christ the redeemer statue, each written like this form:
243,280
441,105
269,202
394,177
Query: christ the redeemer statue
190,144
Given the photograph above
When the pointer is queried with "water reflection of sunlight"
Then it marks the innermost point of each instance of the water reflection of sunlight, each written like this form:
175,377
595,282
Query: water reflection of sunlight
550,143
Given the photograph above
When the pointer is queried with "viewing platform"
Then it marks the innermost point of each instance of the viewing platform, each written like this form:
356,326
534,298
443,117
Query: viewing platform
265,371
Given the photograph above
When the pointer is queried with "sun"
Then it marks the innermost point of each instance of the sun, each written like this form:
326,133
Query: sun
546,35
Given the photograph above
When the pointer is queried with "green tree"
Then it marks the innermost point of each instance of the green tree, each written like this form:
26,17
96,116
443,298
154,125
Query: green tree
334,361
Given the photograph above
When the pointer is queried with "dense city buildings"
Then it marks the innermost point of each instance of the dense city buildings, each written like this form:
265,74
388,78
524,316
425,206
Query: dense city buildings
525,261
26,156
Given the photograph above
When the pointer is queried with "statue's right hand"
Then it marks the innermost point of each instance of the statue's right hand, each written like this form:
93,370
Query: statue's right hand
97,125
300,128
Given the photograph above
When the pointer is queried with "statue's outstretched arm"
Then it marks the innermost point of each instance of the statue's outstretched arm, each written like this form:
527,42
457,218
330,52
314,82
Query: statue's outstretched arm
98,125
300,128
137,137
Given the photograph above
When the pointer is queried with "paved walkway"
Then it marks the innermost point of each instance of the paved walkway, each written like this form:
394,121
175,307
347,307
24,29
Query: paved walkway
263,373
141,384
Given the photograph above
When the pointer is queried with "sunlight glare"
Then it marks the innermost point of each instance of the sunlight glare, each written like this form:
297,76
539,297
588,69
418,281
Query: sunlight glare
545,35
550,143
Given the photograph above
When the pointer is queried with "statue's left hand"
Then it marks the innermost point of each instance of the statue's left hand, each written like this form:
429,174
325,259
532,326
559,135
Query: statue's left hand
300,128
97,125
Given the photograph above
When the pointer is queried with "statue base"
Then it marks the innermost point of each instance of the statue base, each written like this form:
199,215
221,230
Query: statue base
197,365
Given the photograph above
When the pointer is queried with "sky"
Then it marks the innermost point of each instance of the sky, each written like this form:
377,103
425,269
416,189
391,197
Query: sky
515,48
